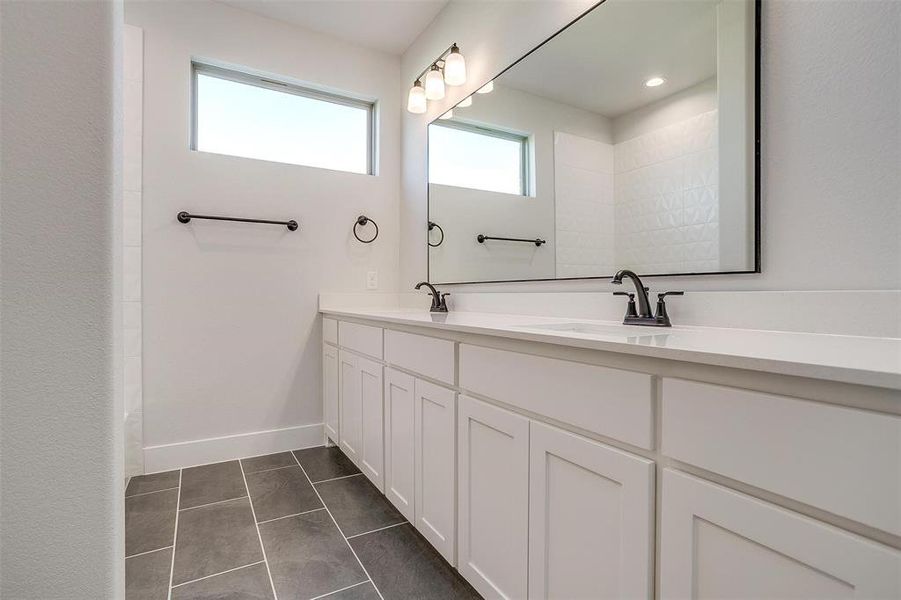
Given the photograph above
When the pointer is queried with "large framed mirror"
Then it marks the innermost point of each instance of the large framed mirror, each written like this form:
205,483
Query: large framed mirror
629,139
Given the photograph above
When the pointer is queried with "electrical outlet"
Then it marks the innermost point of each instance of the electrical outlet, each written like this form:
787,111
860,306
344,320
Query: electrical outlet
372,280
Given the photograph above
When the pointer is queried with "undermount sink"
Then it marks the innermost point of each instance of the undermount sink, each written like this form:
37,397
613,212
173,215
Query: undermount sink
599,329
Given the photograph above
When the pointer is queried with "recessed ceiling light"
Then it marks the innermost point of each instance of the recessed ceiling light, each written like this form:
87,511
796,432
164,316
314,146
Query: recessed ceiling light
655,81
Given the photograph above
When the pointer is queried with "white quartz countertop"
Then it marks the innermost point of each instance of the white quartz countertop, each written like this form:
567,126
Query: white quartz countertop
848,359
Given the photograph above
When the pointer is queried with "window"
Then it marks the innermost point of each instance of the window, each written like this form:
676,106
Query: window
249,116
469,156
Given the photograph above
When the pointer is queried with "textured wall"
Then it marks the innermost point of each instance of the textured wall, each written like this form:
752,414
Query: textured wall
61,477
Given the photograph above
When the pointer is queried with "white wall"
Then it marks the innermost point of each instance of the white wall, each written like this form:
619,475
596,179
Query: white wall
231,334
61,476
831,130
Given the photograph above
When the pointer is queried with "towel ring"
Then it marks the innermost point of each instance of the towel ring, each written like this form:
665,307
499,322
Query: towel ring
363,220
433,225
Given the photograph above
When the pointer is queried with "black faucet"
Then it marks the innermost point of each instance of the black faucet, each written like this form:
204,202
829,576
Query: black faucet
439,304
643,316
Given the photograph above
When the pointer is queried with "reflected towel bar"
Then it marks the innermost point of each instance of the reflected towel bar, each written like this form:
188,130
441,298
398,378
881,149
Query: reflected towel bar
481,239
185,217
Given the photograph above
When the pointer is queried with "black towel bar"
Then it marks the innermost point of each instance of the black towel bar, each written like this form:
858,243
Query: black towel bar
481,238
185,217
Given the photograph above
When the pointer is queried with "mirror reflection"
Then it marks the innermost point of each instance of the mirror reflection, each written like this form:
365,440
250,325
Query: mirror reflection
625,141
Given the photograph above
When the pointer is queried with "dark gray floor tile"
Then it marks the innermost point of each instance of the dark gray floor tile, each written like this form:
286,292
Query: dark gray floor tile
147,576
358,592
141,484
215,538
325,463
357,505
149,521
308,557
281,492
270,461
211,483
403,564
249,583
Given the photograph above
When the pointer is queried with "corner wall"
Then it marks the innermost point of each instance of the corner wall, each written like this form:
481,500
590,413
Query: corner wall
61,475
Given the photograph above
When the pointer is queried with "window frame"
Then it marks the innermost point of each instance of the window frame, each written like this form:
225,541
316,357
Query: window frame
277,85
524,148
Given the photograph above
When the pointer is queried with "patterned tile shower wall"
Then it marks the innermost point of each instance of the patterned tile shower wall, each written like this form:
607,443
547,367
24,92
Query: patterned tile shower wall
666,203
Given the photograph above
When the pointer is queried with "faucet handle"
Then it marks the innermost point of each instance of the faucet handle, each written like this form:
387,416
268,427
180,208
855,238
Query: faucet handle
662,315
660,296
631,310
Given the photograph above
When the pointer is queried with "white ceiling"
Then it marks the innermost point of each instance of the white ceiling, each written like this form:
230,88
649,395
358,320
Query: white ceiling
601,62
386,25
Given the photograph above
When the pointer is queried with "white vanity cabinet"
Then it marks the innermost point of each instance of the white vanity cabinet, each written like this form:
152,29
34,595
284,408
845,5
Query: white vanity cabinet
546,472
361,429
719,543
493,501
591,514
330,403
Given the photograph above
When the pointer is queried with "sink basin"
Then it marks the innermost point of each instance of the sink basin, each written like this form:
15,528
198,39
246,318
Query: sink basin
599,329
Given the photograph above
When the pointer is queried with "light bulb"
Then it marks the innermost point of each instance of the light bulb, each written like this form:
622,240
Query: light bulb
448,115
454,67
416,103
434,84
655,81
465,102
487,88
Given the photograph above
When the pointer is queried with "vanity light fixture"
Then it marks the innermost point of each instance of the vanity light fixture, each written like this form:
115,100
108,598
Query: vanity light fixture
465,102
655,81
416,102
486,89
448,115
449,68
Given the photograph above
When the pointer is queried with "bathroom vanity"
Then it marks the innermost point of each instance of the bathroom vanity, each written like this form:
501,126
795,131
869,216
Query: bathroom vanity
548,458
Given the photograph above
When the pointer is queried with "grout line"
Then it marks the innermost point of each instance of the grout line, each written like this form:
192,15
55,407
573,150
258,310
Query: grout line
332,517
294,515
212,503
174,536
405,522
153,492
147,552
259,535
342,589
215,574
336,478
272,469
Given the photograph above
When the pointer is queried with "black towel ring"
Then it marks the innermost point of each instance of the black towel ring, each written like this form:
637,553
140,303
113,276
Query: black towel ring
363,221
433,225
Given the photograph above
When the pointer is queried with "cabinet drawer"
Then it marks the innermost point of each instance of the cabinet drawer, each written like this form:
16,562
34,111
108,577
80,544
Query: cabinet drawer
362,338
428,356
606,401
842,460
329,330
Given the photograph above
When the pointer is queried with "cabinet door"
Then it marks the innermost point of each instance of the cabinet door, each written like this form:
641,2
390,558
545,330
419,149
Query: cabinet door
351,428
591,510
372,447
436,446
399,445
718,543
493,497
330,391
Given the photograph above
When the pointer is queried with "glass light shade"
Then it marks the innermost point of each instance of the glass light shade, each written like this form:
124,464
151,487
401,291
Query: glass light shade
465,102
448,115
416,103
487,88
454,68
434,84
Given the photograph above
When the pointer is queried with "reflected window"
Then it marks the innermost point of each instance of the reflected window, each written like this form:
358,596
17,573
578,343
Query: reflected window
470,156
253,117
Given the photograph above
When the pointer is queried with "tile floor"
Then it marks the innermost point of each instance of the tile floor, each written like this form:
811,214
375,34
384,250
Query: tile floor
288,526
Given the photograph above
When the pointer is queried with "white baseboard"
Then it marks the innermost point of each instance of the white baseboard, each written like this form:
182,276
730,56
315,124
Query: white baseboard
200,452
